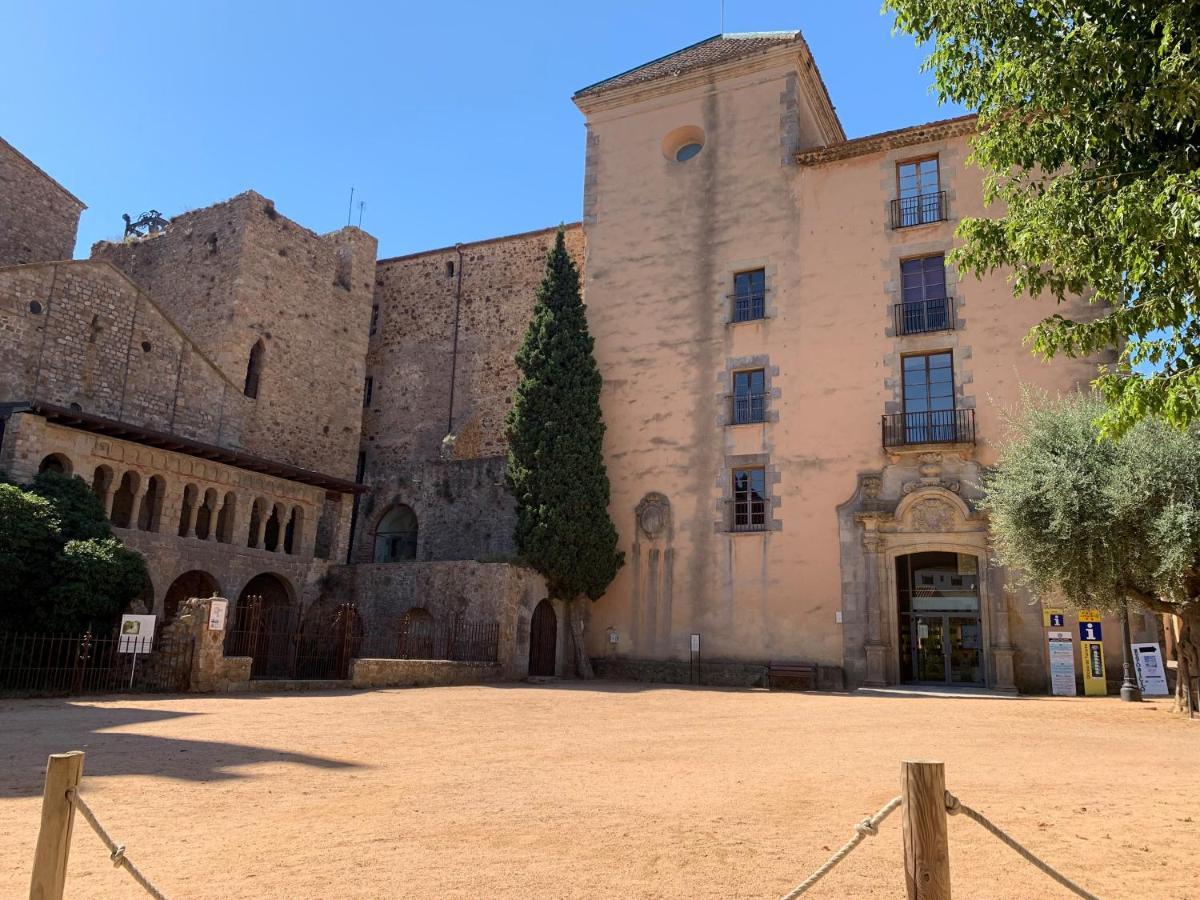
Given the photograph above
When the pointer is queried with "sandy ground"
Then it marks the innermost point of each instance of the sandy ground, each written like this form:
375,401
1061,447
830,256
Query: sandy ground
606,791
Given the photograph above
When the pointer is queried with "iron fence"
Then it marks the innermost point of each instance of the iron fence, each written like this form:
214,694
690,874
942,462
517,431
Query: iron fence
922,316
409,637
919,210
285,645
939,426
93,663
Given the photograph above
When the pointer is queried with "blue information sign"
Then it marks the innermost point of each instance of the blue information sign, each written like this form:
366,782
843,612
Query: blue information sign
1056,620
1090,631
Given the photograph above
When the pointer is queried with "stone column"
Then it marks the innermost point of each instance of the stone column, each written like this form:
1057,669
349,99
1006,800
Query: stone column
261,532
139,497
1002,648
192,513
877,645
109,494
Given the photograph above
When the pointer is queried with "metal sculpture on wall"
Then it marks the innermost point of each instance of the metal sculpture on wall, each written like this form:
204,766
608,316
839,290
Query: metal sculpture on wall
148,223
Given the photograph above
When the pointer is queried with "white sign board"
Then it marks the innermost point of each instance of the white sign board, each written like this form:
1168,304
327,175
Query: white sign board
216,614
137,634
1062,664
1151,676
695,643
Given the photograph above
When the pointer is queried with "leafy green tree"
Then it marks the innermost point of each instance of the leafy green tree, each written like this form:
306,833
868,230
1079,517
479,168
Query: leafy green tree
1100,522
555,450
61,569
1089,132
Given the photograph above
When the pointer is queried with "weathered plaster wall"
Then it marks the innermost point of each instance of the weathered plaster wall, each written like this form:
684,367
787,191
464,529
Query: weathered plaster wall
38,217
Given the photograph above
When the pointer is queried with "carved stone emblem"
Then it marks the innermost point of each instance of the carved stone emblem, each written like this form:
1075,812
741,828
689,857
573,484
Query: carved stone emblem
932,515
871,486
653,515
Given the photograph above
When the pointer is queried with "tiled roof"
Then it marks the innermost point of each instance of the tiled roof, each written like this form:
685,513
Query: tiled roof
888,140
717,49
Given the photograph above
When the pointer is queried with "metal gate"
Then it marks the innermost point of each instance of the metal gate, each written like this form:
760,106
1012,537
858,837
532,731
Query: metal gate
285,645
543,639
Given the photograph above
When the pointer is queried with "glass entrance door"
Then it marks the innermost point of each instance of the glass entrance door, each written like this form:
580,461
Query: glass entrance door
947,648
929,646
941,630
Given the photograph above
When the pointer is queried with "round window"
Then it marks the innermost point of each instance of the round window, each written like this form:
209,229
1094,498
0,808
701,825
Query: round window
687,151
683,143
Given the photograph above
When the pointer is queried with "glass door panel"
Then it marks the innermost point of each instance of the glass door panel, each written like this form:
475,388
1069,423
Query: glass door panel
965,649
929,644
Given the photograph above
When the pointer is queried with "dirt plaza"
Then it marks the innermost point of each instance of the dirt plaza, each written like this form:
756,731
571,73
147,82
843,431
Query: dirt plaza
597,790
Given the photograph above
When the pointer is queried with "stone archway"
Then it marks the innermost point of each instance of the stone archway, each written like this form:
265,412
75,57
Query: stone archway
196,583
266,625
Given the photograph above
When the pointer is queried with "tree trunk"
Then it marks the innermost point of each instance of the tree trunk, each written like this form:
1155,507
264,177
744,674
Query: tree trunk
1187,649
575,617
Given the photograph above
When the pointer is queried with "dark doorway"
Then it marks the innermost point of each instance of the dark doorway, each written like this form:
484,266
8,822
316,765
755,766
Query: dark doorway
543,639
941,631
265,627
190,584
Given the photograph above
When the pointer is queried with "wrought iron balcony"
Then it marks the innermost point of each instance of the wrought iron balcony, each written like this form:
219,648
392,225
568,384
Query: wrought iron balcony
749,409
939,426
749,306
924,315
919,210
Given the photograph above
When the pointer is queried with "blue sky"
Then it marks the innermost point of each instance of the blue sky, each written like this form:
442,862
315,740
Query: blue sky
453,122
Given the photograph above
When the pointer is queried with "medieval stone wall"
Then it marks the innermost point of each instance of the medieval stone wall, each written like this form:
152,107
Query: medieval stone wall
38,218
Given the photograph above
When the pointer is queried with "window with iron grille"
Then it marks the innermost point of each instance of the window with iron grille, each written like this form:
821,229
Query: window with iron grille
749,396
749,295
749,500
368,390
374,318
920,198
923,305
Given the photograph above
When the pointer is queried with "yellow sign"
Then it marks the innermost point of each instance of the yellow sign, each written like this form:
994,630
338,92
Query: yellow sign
1053,616
1092,656
1089,615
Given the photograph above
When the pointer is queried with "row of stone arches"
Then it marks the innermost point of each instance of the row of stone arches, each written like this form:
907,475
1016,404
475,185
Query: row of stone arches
274,589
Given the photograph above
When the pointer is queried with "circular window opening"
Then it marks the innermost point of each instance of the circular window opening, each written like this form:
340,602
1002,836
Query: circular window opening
145,346
35,307
683,143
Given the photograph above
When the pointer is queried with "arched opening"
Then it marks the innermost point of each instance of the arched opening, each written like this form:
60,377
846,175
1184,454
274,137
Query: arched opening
256,522
292,534
187,509
941,629
57,463
265,627
414,639
150,514
122,508
204,515
102,482
396,535
271,532
543,640
225,518
195,583
254,368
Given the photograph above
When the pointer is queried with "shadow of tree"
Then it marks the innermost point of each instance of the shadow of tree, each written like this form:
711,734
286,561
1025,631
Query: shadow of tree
35,729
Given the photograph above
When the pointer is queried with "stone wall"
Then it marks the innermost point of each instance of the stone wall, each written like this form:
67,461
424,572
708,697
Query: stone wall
38,217
378,673
420,368
238,274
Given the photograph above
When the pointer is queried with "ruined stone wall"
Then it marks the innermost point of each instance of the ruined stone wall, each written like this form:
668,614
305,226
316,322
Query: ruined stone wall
416,365
38,217
80,334
238,273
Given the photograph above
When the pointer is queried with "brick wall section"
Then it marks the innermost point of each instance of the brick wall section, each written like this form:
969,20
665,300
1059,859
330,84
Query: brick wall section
239,272
464,512
38,217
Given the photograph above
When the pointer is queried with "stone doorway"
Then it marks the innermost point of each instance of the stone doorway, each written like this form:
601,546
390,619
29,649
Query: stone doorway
543,640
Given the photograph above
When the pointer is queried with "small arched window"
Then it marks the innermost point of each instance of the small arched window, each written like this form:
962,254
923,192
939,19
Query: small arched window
396,536
254,369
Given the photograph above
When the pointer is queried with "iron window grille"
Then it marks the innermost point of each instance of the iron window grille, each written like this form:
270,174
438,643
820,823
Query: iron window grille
921,316
939,426
749,295
749,503
749,397
920,209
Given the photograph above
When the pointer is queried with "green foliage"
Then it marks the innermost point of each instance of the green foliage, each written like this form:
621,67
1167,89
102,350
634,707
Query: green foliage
555,436
60,567
1089,132
1098,520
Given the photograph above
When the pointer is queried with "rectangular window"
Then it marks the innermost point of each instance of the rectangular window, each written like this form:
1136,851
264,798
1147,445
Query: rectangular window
374,318
749,294
923,303
929,415
920,197
368,391
749,396
749,500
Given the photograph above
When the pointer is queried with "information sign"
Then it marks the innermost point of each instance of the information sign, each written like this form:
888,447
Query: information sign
1062,664
1151,676
1053,617
1090,631
1092,656
217,610
137,634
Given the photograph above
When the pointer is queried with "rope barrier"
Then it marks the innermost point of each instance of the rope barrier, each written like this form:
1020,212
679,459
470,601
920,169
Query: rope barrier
954,806
868,827
116,852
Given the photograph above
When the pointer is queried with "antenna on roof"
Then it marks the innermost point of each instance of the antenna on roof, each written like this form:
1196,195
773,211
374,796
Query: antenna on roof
350,211
722,16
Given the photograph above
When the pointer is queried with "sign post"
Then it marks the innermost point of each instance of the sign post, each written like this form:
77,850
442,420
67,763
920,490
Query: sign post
137,636
1148,664
1062,664
1091,653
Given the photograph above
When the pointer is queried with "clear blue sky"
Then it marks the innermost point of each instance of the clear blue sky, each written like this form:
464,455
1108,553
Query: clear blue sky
453,121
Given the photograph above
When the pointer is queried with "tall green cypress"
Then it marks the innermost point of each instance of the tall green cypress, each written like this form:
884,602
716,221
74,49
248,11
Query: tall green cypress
555,450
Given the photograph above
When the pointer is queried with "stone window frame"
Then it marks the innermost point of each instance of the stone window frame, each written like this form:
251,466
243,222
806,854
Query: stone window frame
771,393
724,521
770,282
950,159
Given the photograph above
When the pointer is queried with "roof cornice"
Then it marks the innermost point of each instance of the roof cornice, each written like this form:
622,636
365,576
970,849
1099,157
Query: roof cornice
888,140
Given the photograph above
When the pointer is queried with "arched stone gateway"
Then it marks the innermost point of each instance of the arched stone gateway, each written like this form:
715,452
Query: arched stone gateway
265,626
543,640
195,583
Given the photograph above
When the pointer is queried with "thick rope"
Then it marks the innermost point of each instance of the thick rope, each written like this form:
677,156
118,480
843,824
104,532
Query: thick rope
868,827
116,852
954,806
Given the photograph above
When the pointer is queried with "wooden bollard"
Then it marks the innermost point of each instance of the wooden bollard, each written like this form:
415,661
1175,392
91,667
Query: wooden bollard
63,772
926,847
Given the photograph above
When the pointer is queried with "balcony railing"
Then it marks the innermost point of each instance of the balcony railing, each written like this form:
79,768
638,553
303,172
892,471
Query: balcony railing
919,210
749,409
939,426
924,315
749,306
748,515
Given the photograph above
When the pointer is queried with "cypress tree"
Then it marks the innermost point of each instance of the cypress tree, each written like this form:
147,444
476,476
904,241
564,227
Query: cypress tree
555,450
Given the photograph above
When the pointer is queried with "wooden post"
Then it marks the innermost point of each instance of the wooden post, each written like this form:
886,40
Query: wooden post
926,851
63,771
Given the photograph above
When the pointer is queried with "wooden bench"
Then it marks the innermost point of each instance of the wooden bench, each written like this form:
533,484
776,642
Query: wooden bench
803,674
